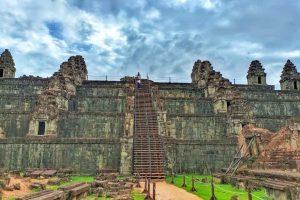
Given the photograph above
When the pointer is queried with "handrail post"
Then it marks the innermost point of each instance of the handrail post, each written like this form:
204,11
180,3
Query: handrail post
138,185
145,187
154,190
172,180
183,184
193,184
149,189
213,197
249,194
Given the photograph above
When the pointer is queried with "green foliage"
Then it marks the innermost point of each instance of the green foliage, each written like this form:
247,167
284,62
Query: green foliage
222,191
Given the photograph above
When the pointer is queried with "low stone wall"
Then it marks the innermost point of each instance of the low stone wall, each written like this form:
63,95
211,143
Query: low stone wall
201,156
80,155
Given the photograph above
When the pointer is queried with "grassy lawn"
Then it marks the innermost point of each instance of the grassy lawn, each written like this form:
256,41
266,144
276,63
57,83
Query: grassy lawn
222,191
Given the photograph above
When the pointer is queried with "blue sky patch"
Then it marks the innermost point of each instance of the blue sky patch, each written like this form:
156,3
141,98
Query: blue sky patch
55,29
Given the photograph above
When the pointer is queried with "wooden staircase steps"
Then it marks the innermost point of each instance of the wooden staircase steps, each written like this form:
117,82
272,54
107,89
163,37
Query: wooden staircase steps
148,152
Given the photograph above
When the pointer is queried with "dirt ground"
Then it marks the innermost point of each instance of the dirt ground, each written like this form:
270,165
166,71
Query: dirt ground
165,191
24,183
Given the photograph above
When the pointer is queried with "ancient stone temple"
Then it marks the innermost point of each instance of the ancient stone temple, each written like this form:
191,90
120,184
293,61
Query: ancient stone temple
68,121
290,78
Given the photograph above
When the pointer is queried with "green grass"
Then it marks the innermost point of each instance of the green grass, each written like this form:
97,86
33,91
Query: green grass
136,195
73,179
222,191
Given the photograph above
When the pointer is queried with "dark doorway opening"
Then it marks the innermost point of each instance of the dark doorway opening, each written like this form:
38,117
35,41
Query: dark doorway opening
1,73
295,85
259,80
228,105
41,130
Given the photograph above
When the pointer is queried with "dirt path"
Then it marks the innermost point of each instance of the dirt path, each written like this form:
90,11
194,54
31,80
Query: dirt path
24,183
165,191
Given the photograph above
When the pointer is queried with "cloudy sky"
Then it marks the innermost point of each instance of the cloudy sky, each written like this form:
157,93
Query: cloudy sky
160,37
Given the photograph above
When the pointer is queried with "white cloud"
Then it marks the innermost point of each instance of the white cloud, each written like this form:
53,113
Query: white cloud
223,23
116,37
288,54
153,14
244,48
192,4
27,19
265,53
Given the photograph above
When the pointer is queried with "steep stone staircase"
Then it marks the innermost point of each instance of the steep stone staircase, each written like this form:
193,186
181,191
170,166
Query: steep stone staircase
148,152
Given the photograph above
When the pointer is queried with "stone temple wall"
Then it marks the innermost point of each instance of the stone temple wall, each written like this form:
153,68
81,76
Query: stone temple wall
97,111
197,137
91,122
79,155
17,99
88,133
272,109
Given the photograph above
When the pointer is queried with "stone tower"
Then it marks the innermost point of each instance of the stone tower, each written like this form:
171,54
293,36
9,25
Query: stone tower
290,78
7,65
256,74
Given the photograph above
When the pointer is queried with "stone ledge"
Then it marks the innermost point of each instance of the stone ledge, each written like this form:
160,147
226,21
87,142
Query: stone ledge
262,88
102,114
274,116
272,100
22,81
47,140
15,112
116,84
226,141
186,98
18,96
99,97
196,116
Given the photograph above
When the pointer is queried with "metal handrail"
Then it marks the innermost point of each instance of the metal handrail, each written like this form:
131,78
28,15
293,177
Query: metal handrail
148,131
135,102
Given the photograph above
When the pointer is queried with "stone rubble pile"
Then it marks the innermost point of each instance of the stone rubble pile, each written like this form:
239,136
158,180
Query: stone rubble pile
5,183
107,185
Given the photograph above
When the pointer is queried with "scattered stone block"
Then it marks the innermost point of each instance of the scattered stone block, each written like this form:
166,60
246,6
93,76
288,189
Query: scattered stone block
9,188
17,186
2,184
204,180
234,197
54,181
38,186
45,195
49,173
76,191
